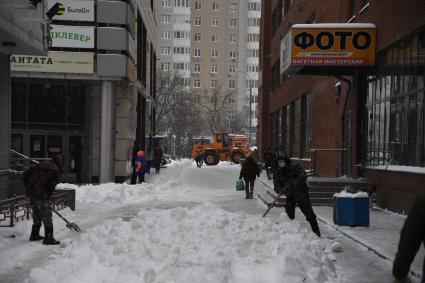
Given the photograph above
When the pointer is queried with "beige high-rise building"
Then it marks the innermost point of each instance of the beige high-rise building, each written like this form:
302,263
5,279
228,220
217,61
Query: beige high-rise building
223,63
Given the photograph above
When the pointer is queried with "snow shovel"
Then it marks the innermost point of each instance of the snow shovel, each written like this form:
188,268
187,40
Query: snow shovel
71,226
271,205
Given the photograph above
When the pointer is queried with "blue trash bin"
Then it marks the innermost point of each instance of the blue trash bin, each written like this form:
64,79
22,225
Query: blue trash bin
352,211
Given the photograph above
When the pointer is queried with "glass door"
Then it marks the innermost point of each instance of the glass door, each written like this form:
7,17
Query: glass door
37,146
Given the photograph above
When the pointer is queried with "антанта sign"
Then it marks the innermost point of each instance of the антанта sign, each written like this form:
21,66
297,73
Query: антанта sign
329,45
55,62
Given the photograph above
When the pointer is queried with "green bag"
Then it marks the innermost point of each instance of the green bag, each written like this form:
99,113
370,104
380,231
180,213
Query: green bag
240,185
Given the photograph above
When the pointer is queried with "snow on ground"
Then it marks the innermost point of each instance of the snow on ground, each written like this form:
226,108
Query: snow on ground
185,225
199,244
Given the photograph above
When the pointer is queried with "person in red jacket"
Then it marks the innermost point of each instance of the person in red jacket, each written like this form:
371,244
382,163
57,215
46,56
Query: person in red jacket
141,166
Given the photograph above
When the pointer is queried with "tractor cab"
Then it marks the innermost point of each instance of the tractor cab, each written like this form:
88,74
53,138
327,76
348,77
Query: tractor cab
222,140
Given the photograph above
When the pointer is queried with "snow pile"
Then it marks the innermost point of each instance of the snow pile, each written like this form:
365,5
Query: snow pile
350,195
111,193
199,244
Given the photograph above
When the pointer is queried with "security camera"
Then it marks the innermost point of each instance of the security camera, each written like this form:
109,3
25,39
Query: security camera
35,2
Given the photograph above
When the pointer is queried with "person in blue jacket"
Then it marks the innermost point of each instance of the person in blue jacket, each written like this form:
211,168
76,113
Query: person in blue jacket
141,166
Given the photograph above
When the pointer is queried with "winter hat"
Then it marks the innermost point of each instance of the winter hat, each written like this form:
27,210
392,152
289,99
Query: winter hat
140,153
283,156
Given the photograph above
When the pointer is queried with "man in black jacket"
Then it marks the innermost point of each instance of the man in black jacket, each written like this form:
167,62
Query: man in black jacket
40,182
412,237
290,179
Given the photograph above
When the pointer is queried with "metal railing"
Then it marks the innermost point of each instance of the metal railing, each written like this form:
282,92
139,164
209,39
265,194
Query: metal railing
342,166
23,161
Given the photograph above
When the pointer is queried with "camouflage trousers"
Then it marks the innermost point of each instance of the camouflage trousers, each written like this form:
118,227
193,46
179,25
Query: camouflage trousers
41,212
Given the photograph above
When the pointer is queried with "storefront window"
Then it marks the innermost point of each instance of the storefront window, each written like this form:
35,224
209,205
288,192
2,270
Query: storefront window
45,105
395,105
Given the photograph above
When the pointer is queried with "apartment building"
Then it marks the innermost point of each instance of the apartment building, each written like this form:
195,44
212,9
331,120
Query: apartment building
214,45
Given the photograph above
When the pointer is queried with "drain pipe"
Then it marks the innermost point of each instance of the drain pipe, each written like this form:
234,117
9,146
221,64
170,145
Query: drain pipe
342,131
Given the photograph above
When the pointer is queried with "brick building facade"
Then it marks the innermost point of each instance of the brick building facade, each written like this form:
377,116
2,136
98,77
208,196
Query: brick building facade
382,137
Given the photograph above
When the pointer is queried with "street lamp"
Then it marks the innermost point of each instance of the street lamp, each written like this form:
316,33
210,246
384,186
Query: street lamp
174,146
250,79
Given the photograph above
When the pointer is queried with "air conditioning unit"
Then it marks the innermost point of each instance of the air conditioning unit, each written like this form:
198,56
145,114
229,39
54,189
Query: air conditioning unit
196,74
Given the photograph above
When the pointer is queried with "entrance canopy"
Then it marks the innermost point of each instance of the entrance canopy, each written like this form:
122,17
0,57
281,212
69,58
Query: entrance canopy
327,49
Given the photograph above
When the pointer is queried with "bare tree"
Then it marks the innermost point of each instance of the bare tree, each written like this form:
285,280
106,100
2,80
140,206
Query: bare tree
213,104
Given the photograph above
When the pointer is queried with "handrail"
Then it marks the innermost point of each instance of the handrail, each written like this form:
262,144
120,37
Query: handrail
26,158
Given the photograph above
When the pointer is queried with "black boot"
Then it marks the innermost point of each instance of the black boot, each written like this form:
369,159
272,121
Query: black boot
251,195
49,240
315,226
35,236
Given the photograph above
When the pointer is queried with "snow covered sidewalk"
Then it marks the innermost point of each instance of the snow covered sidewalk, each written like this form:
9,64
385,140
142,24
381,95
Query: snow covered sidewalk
381,237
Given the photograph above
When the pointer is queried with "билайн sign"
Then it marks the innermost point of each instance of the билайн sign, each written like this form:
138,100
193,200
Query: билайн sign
82,11
329,45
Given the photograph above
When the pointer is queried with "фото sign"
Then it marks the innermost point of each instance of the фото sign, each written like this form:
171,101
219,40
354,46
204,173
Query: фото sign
330,45
72,36
74,10
54,62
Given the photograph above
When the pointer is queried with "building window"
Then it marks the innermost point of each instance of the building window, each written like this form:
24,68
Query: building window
232,38
181,66
165,19
233,7
197,68
165,66
252,83
165,3
214,53
181,3
215,37
197,52
214,68
232,69
254,6
231,99
165,35
215,6
198,5
198,21
214,83
197,36
231,115
395,110
306,125
232,54
254,22
252,53
181,34
196,83
253,37
215,22
233,22
232,84
165,50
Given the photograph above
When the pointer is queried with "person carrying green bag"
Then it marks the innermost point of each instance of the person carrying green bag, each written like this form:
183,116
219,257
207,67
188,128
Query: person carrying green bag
240,185
249,172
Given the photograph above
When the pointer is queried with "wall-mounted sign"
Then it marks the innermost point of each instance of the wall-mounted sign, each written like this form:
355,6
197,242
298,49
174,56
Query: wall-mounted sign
55,62
74,10
331,44
72,36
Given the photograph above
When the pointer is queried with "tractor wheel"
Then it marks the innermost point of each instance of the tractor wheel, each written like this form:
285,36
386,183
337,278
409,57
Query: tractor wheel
237,156
211,158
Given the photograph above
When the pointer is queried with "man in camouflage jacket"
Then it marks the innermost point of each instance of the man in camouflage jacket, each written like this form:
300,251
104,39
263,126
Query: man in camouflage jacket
40,182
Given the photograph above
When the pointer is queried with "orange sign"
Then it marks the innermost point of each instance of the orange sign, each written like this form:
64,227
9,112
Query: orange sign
333,44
